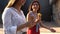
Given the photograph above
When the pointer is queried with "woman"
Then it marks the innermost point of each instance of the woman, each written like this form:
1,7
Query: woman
13,18
35,15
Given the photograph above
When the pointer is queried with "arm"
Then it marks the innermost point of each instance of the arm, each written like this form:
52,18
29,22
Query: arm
49,28
30,22
30,18
40,22
7,25
45,25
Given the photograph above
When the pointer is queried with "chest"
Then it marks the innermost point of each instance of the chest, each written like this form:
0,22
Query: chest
18,19
35,16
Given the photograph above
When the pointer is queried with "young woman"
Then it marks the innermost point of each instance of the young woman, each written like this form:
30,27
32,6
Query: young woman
13,18
35,15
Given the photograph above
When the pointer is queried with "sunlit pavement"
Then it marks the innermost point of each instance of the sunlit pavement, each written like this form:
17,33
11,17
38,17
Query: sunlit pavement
46,31
42,31
49,33
1,30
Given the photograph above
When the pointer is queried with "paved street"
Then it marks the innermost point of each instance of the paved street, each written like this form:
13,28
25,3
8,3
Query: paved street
43,30
1,31
53,25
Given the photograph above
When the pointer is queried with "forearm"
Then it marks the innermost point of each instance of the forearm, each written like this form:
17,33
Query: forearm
44,26
21,27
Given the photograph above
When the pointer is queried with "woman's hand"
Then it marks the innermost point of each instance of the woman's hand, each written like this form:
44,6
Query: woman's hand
52,30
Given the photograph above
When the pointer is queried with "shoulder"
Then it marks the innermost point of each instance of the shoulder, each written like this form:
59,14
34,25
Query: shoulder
21,11
30,13
6,13
7,10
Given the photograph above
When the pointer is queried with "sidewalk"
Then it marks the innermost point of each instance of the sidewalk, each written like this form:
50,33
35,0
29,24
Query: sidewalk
43,30
46,30
51,24
1,30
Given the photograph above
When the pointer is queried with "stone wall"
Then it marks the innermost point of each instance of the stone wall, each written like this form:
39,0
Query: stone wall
56,12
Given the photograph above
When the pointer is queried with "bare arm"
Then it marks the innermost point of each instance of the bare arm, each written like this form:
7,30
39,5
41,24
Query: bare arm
49,28
44,25
23,26
30,23
30,18
41,23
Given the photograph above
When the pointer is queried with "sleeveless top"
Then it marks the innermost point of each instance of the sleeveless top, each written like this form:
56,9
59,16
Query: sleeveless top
34,29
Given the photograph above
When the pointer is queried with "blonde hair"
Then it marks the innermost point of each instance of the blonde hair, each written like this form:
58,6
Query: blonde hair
10,3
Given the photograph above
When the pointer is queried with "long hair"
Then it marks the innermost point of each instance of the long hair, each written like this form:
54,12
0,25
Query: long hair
30,7
12,3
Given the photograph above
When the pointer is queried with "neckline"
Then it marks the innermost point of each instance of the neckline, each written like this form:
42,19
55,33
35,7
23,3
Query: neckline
33,12
15,10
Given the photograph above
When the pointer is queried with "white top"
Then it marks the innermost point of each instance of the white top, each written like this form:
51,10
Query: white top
11,19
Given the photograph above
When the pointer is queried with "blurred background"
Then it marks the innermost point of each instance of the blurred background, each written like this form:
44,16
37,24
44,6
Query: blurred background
46,8
50,10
